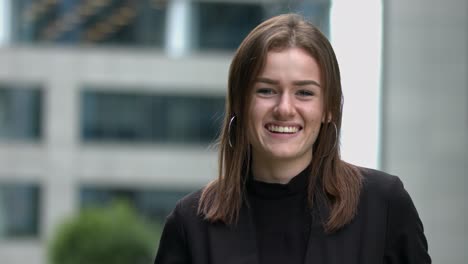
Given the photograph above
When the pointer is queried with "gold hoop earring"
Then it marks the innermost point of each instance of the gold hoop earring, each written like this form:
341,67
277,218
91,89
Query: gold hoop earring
229,130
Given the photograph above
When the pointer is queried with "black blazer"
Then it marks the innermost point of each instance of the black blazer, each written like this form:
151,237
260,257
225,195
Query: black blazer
386,230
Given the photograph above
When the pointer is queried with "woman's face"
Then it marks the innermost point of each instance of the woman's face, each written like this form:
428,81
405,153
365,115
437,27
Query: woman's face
286,109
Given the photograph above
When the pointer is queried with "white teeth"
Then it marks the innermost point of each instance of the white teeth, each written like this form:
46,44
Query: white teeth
283,129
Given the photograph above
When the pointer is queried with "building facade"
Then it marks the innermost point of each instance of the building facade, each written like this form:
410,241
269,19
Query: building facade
112,99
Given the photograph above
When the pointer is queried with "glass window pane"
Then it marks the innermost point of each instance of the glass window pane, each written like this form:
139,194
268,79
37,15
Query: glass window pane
114,116
151,204
223,25
20,112
19,210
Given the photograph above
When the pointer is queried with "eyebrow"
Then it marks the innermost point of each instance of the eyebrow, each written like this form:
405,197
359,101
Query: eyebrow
297,83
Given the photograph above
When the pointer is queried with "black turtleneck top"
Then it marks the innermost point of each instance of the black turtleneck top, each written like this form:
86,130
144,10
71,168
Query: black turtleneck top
281,218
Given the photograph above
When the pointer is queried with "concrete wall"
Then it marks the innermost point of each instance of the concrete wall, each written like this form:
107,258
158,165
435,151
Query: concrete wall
60,163
425,121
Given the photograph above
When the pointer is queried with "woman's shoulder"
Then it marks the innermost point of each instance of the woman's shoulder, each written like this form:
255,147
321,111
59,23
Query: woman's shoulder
383,186
187,206
376,177
385,196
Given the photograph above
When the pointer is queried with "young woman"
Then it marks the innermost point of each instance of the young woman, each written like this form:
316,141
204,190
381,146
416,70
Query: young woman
283,194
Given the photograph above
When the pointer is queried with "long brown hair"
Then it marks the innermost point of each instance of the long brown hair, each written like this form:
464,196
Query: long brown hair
339,181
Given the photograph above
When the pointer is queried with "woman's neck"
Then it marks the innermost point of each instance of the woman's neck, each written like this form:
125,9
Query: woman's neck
277,171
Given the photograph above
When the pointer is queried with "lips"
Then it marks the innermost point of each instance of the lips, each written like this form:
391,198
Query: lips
283,129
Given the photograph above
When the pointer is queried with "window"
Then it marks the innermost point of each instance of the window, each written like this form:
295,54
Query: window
19,210
20,112
223,25
151,204
163,118
76,21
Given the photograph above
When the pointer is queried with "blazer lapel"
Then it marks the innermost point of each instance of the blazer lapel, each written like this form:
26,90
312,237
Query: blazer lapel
234,244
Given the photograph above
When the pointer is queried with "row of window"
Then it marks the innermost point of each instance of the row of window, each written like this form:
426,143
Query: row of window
204,24
118,116
20,205
141,117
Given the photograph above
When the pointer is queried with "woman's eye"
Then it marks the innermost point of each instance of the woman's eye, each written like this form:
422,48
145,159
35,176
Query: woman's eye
265,91
304,93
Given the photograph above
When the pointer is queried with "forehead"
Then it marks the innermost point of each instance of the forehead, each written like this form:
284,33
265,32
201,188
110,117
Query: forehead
290,64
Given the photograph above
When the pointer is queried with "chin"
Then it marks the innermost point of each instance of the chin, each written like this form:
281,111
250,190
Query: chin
284,155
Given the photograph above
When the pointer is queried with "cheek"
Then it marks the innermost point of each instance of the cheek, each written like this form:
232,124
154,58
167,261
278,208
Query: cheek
255,114
314,133
314,123
251,126
254,124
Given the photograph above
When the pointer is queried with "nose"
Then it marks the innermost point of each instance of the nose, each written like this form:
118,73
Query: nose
284,108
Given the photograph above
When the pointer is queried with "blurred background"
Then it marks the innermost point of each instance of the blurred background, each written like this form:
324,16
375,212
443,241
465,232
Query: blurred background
121,99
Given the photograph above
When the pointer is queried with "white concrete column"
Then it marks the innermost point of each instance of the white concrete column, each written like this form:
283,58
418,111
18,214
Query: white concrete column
356,36
178,27
5,16
61,134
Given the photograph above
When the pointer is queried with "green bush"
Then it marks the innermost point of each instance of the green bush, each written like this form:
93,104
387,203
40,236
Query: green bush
113,234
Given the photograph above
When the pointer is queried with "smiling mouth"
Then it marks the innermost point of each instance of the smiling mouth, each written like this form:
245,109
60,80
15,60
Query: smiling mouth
283,129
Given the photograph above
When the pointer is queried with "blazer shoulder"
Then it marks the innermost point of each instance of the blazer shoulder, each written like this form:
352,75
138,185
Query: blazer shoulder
187,207
381,185
405,240
177,235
